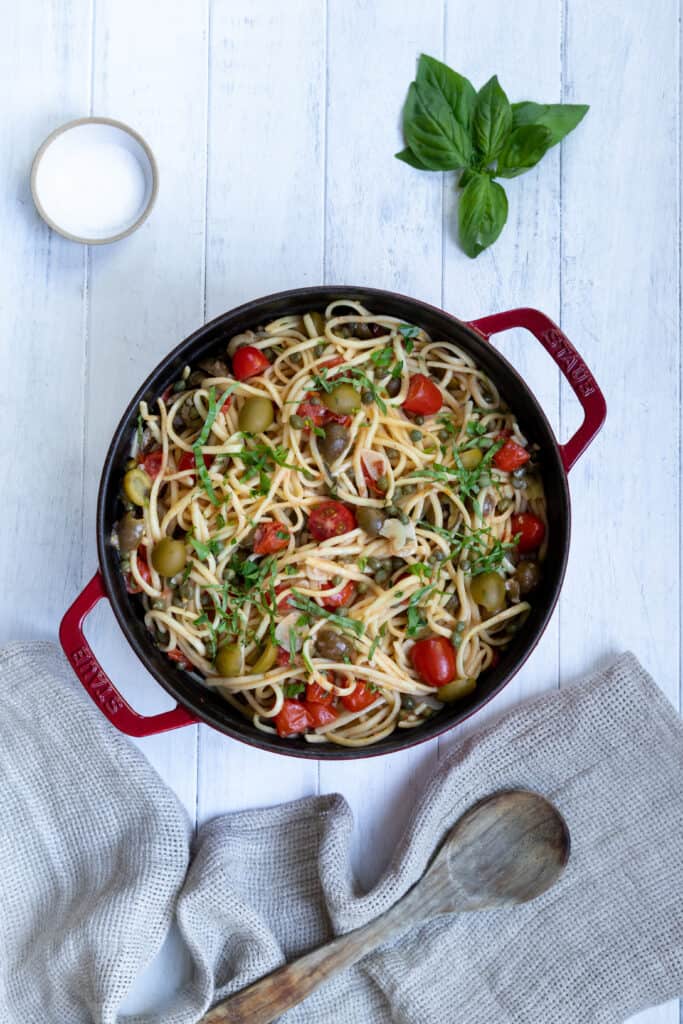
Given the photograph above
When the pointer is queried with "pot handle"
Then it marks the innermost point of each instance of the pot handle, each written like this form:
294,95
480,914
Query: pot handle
97,683
573,368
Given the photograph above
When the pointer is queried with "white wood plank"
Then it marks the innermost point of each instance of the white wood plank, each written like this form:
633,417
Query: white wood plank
523,267
147,292
41,302
264,216
620,202
383,228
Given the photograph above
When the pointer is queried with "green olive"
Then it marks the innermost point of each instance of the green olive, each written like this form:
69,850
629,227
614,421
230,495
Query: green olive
527,575
393,387
371,520
229,660
343,399
169,556
471,458
457,689
488,590
256,415
265,660
334,443
136,486
130,531
332,645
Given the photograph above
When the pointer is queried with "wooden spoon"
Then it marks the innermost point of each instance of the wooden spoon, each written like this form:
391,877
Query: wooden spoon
506,849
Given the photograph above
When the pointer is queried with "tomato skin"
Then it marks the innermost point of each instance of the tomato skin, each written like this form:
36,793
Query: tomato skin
266,540
151,463
320,714
342,599
424,397
249,362
177,655
510,457
292,718
330,519
186,461
283,657
360,698
131,584
370,480
434,660
308,410
316,694
531,528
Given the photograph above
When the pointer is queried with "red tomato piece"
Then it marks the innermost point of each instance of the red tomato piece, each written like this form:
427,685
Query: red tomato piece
167,394
269,538
151,463
292,718
359,698
283,657
371,474
330,519
510,457
317,694
177,655
308,410
342,599
284,607
434,660
186,461
329,363
424,397
495,658
131,584
321,714
531,530
249,362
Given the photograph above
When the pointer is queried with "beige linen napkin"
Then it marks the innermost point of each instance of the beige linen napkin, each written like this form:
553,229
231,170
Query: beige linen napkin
97,858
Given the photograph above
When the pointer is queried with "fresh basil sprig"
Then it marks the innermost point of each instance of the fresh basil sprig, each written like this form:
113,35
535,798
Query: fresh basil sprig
449,126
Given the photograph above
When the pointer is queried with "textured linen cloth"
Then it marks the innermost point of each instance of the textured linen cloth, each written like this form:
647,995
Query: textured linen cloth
97,858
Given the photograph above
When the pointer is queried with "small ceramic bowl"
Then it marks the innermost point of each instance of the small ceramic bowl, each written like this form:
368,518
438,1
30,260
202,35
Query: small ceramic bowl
94,180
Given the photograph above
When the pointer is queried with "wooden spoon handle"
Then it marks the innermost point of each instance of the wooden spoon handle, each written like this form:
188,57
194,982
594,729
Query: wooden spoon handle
266,999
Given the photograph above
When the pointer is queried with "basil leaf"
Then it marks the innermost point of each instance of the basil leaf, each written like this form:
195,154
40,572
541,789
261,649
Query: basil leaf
482,214
525,146
492,122
408,157
432,131
559,118
457,91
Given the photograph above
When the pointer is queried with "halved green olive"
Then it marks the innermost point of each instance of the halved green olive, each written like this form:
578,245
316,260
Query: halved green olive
229,660
343,399
130,531
332,645
488,590
256,415
136,486
456,690
265,660
169,556
471,458
371,520
334,443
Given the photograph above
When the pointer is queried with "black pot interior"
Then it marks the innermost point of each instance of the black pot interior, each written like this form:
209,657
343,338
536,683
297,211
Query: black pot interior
212,339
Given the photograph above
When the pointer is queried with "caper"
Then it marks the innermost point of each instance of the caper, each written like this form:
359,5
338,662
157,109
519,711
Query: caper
393,387
229,660
453,603
415,435
407,702
265,660
471,458
518,474
456,689
528,576
319,349
367,397
188,412
256,415
136,486
519,485
396,563
333,645
180,385
438,556
373,563
334,443
419,420
297,358
169,556
466,565
382,483
371,520
362,587
342,399
488,590
129,532
382,575
460,627
298,422
443,435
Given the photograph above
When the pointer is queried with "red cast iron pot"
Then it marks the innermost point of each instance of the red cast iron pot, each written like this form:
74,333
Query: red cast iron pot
198,704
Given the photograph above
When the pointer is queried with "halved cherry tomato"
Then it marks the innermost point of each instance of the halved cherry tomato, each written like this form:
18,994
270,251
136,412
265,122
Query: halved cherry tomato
341,599
511,456
249,362
424,397
371,474
330,519
359,698
131,584
292,718
531,528
186,461
434,660
321,714
151,463
317,694
177,655
283,657
269,538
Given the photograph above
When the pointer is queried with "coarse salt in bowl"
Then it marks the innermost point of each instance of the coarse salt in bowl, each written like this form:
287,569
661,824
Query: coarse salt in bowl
94,180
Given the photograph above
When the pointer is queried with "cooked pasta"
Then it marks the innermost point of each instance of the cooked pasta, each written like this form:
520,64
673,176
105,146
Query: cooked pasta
338,529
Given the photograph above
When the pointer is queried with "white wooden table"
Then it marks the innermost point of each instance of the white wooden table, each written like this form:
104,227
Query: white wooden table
274,125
